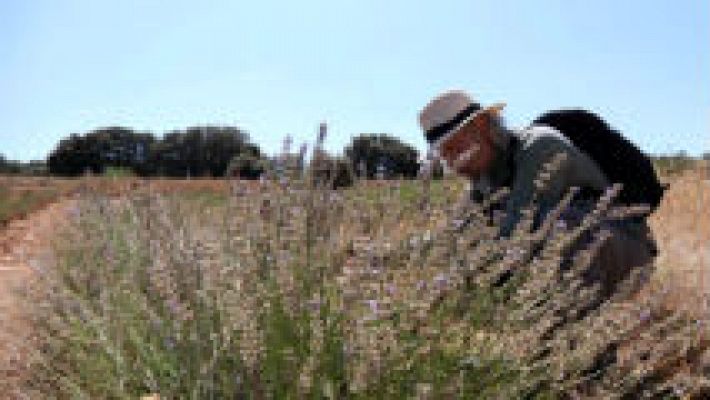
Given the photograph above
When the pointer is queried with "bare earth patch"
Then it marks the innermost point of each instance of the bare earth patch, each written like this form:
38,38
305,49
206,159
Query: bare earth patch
24,250
681,227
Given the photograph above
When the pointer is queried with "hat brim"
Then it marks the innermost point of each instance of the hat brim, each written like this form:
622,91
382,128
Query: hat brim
492,109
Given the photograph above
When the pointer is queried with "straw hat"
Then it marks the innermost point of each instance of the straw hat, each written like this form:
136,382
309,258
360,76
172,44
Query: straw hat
447,113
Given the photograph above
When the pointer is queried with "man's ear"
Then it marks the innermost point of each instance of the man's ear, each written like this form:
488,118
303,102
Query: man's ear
489,123
494,131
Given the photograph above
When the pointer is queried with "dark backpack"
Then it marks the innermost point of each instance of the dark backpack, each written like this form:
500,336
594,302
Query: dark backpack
619,159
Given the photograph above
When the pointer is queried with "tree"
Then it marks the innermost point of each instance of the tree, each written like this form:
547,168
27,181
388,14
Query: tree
384,154
331,172
7,166
246,165
200,151
104,147
195,151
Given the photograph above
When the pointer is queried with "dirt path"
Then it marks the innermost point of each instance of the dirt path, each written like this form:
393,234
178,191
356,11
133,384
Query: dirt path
682,232
24,250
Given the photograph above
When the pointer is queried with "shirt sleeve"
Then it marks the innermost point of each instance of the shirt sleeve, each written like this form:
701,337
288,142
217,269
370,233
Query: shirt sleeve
534,160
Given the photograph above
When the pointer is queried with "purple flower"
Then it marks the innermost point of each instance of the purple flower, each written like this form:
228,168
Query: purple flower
561,224
74,211
313,305
516,253
169,342
391,289
322,133
373,305
458,223
173,306
440,281
645,315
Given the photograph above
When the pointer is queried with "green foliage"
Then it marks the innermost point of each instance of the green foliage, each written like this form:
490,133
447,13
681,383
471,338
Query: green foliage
383,154
200,151
118,172
195,151
30,168
246,166
5,165
17,203
331,172
112,146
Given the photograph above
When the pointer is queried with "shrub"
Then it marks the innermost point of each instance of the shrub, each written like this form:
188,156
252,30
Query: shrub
382,154
331,172
246,166
292,289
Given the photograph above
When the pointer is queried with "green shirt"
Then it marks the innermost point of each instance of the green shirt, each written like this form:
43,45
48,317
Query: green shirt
536,147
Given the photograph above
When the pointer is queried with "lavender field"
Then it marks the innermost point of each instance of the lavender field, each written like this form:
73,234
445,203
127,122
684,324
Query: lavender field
286,289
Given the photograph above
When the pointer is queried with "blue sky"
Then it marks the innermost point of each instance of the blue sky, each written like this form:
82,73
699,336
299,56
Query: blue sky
277,68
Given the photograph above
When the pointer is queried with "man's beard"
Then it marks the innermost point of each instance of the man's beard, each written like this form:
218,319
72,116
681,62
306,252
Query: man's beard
465,157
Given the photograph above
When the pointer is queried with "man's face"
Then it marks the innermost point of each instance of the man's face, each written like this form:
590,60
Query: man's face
469,152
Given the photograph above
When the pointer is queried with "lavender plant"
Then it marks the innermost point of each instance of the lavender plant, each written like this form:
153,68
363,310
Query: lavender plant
288,289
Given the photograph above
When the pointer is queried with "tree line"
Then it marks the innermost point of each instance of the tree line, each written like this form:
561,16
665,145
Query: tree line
217,151
13,167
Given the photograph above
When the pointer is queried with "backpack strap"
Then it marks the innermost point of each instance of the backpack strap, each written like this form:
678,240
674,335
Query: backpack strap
513,148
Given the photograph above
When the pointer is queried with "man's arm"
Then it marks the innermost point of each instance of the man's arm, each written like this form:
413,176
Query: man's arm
535,160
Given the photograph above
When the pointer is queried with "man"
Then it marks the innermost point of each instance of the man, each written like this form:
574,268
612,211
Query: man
474,142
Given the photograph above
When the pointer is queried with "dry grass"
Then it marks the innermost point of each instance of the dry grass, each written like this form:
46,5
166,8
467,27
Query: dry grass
20,196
